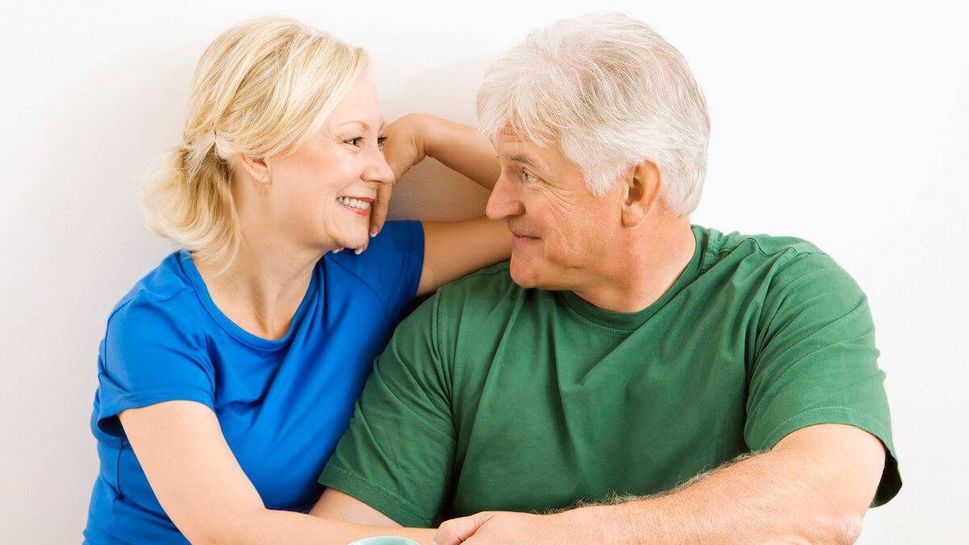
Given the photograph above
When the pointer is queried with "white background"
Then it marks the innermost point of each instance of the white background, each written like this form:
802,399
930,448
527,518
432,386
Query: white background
843,123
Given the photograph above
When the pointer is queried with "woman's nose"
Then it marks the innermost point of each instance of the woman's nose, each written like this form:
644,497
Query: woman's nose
378,170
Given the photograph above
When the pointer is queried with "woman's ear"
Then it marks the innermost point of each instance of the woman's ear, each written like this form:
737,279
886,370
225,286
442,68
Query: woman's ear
257,168
642,189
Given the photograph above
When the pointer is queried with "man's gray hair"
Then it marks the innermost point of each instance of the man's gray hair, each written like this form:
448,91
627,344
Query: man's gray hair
612,93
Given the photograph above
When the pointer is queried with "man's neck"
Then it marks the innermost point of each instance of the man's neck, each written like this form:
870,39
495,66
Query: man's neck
646,263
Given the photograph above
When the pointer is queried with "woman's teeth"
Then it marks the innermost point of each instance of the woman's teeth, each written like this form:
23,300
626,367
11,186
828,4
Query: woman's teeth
353,203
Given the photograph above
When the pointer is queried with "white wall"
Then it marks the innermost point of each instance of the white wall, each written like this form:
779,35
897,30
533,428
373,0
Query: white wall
843,123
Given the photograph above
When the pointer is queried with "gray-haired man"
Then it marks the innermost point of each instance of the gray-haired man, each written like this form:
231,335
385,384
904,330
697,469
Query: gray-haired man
682,385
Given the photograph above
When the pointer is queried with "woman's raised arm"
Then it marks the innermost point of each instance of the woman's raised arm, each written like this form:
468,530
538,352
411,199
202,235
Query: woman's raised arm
451,249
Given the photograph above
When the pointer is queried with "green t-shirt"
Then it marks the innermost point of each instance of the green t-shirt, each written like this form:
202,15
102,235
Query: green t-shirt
495,397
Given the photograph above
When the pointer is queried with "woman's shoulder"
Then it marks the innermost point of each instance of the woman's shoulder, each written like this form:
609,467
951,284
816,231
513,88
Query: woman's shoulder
155,347
391,265
397,240
166,292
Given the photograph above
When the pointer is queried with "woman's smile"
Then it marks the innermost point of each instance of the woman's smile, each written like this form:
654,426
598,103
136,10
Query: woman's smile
357,205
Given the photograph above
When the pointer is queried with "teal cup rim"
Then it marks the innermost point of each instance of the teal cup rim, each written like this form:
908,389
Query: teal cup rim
384,540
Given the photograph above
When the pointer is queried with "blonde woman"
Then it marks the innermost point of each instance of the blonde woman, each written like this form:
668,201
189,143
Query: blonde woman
228,373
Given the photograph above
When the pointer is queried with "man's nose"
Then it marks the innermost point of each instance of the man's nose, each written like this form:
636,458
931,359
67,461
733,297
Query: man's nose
503,201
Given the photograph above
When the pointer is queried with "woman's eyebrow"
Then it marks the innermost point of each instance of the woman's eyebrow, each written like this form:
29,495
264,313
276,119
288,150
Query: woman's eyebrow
364,124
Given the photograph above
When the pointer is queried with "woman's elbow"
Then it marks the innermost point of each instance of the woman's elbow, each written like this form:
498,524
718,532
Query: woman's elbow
238,529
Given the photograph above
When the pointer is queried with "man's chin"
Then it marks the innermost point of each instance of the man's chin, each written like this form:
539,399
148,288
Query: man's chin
522,274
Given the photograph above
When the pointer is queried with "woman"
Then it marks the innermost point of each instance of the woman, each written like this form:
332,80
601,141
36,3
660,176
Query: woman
228,373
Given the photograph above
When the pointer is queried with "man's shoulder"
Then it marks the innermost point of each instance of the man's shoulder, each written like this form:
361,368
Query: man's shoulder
479,304
760,256
756,246
484,288
780,268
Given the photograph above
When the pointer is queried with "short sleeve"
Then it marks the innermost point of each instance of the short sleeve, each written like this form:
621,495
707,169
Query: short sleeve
816,361
148,356
398,452
391,265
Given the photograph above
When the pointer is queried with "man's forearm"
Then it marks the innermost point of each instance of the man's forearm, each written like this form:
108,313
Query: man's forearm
813,487
776,497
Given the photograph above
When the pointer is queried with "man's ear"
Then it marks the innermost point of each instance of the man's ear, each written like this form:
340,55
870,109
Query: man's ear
256,167
643,185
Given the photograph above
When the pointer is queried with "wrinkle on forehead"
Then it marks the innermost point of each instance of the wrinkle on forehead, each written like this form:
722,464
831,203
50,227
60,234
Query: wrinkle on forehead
512,147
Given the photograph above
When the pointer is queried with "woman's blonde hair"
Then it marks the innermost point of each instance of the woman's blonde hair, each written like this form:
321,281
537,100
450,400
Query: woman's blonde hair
260,89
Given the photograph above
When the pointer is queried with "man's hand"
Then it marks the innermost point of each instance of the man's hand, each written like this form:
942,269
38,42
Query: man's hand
403,148
502,527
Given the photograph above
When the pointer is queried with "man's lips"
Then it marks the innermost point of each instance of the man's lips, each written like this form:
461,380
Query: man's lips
520,232
520,239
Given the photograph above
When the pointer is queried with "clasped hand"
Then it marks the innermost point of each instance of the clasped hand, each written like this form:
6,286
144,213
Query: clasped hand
507,528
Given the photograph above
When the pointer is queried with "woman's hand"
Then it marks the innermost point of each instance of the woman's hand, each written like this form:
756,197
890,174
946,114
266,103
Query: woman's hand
403,148
415,136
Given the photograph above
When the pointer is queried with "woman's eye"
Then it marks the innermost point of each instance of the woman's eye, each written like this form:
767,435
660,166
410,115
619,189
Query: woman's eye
380,141
358,141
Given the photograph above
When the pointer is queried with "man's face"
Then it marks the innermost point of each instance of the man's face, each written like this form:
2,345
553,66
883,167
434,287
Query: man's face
562,232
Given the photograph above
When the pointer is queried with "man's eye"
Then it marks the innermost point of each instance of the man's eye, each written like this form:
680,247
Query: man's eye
528,177
358,141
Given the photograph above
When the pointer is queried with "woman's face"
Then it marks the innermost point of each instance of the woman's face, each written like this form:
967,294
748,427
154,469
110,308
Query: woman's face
322,192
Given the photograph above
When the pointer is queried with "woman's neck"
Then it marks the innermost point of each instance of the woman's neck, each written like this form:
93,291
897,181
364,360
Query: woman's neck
262,288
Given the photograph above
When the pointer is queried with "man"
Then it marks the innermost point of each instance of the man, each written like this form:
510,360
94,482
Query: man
640,379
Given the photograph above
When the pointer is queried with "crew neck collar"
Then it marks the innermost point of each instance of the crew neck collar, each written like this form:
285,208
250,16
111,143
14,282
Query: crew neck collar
628,321
255,341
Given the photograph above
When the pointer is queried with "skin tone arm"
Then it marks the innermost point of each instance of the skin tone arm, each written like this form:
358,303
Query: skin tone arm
199,483
812,488
180,445
451,249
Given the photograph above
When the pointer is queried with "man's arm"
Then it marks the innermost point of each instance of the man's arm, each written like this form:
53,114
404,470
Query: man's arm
813,487
398,451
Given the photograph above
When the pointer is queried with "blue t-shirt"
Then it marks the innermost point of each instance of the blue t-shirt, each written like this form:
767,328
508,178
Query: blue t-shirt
282,404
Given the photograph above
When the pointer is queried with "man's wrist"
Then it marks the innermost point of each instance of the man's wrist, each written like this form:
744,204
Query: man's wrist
596,525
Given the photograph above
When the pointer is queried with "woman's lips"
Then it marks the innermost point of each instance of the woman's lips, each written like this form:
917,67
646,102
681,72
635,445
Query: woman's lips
358,205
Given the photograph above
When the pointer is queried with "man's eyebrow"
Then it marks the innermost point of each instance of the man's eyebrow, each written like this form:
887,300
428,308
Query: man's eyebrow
520,158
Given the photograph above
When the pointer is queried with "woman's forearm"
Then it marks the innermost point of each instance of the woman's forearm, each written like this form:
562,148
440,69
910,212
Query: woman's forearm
205,492
270,527
460,148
